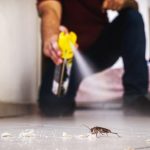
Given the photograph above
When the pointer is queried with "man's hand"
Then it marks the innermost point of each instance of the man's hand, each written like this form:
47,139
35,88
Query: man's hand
51,49
113,4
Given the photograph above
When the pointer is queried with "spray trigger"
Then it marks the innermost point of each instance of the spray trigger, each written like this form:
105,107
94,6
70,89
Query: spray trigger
65,42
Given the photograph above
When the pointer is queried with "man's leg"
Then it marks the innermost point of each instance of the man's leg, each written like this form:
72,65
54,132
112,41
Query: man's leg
135,79
124,37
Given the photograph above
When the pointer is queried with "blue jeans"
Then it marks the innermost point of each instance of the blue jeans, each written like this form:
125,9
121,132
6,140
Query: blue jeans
124,37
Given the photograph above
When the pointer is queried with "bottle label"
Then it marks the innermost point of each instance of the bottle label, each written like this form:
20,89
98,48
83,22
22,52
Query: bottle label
61,78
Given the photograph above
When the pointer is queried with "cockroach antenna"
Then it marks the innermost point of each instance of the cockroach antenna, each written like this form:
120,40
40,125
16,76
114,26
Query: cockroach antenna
86,126
116,134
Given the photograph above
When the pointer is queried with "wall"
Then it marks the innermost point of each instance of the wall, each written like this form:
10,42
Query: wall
18,51
144,7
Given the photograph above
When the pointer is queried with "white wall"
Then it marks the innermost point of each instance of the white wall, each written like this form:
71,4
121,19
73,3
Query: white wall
18,51
144,9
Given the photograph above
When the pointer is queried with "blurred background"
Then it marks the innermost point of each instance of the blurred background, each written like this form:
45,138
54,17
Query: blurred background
20,59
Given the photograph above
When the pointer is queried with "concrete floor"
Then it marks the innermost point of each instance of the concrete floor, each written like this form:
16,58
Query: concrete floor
35,132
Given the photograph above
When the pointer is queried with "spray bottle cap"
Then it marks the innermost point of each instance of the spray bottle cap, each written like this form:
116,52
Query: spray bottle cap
65,43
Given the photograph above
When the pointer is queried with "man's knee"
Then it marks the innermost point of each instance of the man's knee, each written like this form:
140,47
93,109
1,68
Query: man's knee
132,17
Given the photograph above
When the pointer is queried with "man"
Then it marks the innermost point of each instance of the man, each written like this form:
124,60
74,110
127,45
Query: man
102,42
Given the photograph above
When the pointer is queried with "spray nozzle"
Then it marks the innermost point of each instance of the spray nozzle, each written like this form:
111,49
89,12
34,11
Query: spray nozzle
65,43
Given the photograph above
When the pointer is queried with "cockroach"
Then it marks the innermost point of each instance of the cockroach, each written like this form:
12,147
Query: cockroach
101,130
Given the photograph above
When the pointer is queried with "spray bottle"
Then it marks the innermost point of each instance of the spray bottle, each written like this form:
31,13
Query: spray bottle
66,41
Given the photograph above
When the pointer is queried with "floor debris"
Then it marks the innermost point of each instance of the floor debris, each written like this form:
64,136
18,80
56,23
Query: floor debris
27,133
6,135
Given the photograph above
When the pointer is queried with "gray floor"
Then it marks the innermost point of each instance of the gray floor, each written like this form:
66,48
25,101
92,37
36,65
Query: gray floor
35,132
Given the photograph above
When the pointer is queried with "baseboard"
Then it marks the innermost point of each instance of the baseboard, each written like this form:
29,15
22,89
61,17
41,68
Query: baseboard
11,110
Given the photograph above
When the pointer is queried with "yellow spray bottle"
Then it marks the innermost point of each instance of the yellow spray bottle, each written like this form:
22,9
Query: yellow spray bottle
66,41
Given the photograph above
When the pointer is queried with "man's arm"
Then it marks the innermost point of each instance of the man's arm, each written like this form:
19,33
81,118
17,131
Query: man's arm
50,13
119,4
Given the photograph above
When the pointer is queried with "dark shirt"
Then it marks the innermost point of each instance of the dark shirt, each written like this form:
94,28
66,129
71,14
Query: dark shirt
84,17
